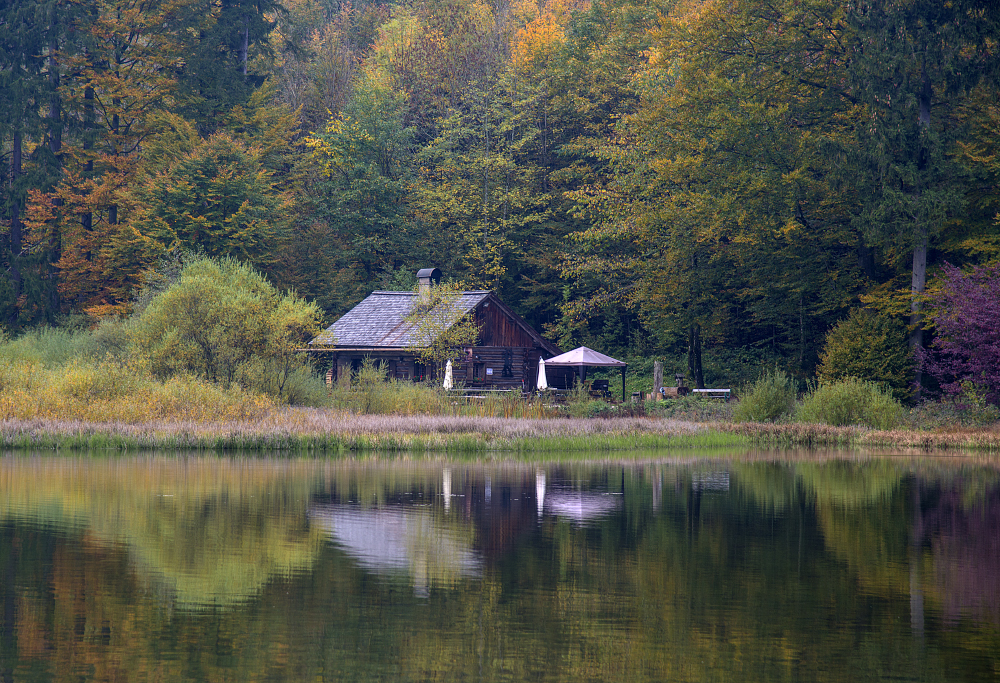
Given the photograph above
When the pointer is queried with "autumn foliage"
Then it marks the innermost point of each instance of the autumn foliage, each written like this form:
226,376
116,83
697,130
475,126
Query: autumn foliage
684,179
966,315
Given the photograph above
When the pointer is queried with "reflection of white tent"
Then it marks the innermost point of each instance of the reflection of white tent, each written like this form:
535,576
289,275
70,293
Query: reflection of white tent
543,382
581,506
583,358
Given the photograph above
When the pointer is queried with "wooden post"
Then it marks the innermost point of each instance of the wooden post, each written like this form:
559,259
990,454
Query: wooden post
657,378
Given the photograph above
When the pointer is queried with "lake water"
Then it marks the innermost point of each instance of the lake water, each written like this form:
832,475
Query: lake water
761,566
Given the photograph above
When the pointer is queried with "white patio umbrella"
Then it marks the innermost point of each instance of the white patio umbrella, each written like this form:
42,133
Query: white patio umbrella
449,383
543,383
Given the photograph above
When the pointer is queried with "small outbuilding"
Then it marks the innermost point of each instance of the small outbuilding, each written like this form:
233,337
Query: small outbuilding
386,326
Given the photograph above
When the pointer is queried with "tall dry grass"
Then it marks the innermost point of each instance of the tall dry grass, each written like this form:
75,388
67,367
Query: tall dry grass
116,391
814,434
334,432
371,393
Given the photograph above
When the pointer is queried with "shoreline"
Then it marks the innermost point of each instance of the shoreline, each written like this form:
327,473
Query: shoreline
318,432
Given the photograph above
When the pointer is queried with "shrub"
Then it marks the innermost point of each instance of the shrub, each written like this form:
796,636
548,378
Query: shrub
770,397
692,408
222,321
111,391
849,402
870,346
48,346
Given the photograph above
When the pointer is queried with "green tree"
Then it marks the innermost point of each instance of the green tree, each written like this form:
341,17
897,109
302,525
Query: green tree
358,182
913,65
869,346
441,323
221,320
216,196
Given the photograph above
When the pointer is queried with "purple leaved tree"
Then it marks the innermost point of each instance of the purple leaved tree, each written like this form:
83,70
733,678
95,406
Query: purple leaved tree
966,318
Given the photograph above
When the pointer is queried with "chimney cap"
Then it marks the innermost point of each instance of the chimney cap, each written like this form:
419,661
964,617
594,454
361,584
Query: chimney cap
431,273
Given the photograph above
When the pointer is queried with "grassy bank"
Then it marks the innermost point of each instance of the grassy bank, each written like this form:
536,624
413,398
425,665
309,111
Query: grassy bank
816,435
317,432
326,432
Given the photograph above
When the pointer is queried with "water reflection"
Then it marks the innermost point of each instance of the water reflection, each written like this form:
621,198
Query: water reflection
401,539
759,567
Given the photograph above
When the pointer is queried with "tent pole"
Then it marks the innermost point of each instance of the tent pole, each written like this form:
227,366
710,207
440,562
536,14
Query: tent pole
623,383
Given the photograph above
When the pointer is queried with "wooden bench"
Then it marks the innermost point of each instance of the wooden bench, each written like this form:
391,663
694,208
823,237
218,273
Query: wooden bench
473,394
713,393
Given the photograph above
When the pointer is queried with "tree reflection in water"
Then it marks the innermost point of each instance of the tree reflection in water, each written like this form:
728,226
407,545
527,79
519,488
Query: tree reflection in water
756,567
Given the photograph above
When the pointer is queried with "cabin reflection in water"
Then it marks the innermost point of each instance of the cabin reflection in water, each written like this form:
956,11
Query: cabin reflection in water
402,539
438,547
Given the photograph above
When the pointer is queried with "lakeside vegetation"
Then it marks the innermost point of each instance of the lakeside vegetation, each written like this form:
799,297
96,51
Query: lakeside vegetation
718,185
91,390
207,361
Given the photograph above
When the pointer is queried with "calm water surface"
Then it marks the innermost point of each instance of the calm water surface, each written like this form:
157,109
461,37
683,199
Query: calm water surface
750,567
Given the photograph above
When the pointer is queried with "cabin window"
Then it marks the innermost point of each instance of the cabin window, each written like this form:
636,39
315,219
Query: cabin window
419,371
478,372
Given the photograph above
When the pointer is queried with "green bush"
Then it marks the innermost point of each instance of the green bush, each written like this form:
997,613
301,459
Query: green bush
850,402
291,380
870,346
222,321
692,408
770,397
48,346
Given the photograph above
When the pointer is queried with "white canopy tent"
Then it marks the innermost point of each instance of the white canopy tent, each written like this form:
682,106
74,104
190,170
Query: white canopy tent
583,358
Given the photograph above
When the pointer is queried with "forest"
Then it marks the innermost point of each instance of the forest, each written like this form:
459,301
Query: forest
730,180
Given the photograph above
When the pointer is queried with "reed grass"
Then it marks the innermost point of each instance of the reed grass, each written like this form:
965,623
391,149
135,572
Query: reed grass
814,435
53,399
328,432
115,391
334,433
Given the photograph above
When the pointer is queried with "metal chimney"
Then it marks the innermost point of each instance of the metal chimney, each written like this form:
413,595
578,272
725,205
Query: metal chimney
427,278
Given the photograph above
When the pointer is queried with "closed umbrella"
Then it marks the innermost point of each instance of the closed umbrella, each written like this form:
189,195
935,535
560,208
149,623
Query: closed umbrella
543,383
449,383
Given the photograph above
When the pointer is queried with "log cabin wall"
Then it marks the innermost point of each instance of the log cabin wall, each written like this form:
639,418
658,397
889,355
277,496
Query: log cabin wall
493,367
483,367
499,329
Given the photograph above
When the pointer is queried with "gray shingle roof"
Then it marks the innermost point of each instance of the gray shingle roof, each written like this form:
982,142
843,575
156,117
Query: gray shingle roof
380,321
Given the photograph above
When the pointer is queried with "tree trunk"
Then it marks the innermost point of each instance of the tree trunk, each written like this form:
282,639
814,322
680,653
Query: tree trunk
245,47
15,227
694,356
55,103
919,268
55,146
917,283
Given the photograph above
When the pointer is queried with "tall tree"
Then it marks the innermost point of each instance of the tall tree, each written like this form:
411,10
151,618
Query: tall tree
122,73
912,65
31,34
231,56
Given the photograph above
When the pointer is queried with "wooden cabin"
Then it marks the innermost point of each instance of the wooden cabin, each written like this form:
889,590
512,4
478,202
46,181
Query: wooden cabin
383,327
